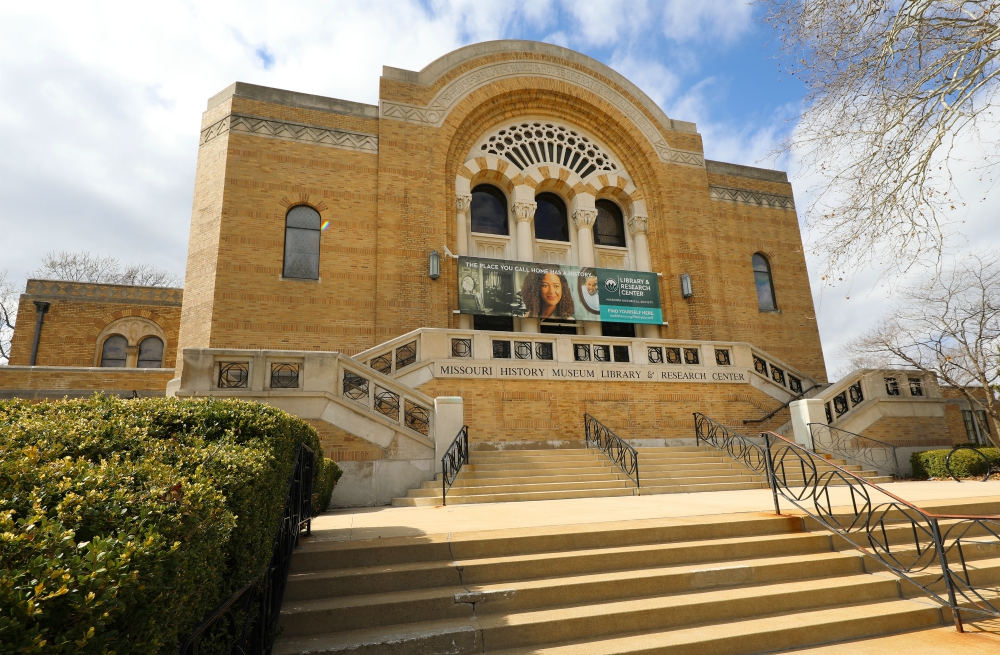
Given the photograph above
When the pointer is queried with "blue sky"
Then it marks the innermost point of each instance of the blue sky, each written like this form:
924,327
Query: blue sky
100,103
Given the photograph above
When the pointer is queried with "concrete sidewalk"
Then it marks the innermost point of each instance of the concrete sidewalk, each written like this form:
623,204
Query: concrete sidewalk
383,522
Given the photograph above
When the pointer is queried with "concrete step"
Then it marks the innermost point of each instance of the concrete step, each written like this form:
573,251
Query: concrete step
465,479
527,487
508,497
650,490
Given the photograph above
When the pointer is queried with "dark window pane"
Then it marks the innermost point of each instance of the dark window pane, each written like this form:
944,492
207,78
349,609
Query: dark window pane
493,323
609,230
301,253
765,286
113,352
550,218
151,353
618,329
303,216
489,210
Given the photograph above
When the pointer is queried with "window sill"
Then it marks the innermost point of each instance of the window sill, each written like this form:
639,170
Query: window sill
769,311
282,278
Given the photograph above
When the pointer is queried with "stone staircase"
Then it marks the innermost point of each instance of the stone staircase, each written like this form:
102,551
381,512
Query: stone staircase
518,475
735,584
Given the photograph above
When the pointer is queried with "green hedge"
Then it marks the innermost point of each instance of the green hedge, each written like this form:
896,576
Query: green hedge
123,522
965,464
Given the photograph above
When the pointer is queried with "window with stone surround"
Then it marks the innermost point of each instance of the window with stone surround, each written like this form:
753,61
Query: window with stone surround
302,231
489,210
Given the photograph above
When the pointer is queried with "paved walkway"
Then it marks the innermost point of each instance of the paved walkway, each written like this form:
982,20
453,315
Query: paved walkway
383,522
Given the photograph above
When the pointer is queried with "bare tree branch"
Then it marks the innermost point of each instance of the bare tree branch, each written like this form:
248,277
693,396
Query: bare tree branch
949,326
8,314
892,85
84,267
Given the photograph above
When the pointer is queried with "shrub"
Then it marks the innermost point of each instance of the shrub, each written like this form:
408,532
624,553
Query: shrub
965,464
124,522
326,480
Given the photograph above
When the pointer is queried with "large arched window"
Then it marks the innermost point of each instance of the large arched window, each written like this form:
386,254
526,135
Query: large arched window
151,353
489,210
609,230
302,230
113,354
765,286
550,218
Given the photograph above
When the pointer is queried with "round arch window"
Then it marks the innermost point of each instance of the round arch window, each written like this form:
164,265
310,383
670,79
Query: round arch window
151,353
489,210
609,229
550,218
302,230
113,353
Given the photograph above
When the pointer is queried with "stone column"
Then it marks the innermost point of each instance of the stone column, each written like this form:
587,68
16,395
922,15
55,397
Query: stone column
524,213
583,220
462,204
638,226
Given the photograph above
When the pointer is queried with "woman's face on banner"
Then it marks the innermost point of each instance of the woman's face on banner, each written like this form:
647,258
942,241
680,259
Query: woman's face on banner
551,289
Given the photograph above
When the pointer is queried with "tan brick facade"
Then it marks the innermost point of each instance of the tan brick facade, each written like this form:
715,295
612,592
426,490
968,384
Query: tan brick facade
82,314
386,184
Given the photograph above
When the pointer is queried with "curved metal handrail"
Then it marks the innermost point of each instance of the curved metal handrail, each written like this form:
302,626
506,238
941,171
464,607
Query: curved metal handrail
973,448
738,446
247,621
860,449
456,455
622,454
750,421
899,535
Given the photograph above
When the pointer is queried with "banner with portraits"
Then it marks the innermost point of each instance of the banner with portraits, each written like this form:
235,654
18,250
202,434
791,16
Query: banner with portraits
496,287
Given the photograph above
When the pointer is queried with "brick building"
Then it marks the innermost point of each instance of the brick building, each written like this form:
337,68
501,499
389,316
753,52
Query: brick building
320,274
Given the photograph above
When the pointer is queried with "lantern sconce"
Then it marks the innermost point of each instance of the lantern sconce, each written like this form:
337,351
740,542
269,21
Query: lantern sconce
686,289
435,265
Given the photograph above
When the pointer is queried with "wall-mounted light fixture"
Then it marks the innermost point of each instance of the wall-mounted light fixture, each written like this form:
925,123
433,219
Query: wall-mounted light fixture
686,290
435,265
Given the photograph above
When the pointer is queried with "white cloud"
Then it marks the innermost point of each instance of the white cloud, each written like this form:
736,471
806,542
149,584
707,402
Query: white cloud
724,20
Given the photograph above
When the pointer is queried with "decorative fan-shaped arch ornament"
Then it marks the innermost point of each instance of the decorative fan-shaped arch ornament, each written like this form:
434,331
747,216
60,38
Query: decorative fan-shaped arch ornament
536,142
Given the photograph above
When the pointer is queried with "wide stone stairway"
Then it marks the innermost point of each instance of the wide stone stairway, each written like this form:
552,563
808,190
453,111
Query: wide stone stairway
516,475
734,584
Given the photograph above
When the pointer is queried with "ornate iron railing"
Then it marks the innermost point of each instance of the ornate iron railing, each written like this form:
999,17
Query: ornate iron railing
456,455
740,447
624,456
860,450
766,417
935,552
973,448
246,623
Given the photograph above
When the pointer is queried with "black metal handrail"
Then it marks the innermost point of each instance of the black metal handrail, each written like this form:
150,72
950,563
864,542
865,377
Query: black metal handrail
247,621
456,455
751,421
622,454
861,450
740,447
973,448
907,540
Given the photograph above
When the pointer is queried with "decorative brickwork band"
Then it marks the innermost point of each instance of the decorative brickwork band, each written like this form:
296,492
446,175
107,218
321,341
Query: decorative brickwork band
104,292
462,203
638,225
584,218
460,87
524,211
751,197
320,136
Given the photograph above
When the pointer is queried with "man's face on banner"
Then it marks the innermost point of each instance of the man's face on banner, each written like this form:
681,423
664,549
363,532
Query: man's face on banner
591,285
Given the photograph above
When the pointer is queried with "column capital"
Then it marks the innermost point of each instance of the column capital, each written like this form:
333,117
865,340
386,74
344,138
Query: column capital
638,225
462,203
524,211
584,218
